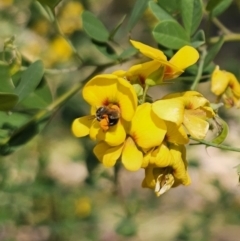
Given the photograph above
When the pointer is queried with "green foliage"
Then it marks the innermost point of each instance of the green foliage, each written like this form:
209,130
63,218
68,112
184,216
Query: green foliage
170,34
216,7
94,27
137,12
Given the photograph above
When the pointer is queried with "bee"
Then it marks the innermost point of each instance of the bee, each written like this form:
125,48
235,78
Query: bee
108,116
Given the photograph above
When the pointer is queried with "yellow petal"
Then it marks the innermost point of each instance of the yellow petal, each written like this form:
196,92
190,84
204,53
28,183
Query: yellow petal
132,158
179,166
114,136
176,134
106,154
219,81
169,109
234,84
81,126
149,180
162,156
185,57
147,129
149,51
196,126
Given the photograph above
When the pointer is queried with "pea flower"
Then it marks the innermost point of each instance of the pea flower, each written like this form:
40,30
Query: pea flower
113,102
169,169
225,85
185,57
146,131
189,109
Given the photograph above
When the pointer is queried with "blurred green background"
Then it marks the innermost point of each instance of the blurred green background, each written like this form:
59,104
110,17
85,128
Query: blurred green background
53,188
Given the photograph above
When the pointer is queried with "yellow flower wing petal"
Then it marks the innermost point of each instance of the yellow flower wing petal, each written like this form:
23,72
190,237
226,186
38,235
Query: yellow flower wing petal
185,57
176,134
147,129
149,51
149,180
132,158
81,126
120,73
234,84
219,81
163,157
106,154
179,166
113,137
196,126
126,99
169,109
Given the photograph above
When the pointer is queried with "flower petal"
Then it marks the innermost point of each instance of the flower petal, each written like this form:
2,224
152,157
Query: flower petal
185,57
113,137
176,134
81,126
132,158
147,129
169,109
149,51
219,81
196,126
106,154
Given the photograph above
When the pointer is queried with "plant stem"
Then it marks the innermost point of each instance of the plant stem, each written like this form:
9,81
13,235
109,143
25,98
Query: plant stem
224,29
227,38
200,70
220,146
145,93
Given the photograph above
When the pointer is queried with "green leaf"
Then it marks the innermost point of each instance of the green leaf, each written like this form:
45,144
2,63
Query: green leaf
115,30
221,7
191,11
94,28
30,80
7,101
51,3
126,227
212,51
6,84
212,4
105,49
171,35
137,12
159,13
39,99
171,6
127,53
198,39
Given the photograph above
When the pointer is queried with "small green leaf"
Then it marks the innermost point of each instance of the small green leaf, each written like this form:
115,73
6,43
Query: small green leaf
198,39
127,53
39,99
7,101
6,84
212,4
212,51
30,79
115,30
126,227
137,12
51,3
105,49
94,27
221,7
191,11
171,6
159,13
171,35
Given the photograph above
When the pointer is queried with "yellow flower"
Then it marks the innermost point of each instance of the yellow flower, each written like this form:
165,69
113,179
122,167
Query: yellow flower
146,131
225,85
169,168
185,57
189,109
113,103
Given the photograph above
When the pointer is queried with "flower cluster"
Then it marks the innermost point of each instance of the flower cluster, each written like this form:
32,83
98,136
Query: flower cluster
226,86
142,134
